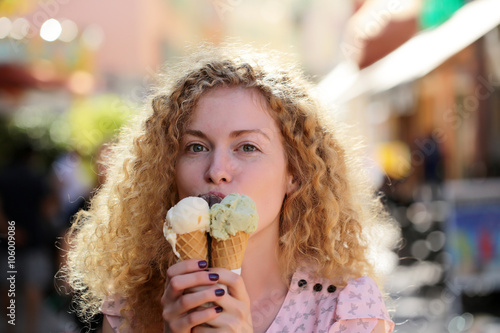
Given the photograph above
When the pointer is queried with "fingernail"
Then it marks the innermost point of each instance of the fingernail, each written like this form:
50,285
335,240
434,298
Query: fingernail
202,264
218,309
213,276
220,292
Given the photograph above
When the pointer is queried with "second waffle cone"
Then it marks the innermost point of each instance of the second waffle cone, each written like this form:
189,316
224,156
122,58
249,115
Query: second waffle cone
229,253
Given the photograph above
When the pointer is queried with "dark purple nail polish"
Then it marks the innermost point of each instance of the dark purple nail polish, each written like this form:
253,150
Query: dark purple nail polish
202,264
218,309
220,292
213,276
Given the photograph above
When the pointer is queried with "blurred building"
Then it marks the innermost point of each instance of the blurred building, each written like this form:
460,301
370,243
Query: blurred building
428,104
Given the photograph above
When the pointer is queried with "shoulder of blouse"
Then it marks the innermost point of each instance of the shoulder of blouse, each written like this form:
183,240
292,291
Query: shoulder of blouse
111,308
320,306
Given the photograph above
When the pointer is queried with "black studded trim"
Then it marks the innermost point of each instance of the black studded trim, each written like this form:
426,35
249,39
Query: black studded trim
317,287
302,283
331,288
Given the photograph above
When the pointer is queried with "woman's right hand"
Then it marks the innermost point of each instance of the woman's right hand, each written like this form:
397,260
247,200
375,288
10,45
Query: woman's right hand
181,304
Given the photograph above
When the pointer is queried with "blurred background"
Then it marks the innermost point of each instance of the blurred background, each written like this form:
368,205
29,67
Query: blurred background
418,80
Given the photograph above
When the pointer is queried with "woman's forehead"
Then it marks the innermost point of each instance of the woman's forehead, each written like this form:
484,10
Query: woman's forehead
234,100
232,109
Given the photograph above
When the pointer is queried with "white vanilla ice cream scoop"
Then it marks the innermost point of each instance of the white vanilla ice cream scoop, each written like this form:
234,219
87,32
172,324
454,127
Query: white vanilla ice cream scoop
190,214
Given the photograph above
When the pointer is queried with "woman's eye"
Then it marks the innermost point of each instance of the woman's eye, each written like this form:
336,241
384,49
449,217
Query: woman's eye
196,148
248,148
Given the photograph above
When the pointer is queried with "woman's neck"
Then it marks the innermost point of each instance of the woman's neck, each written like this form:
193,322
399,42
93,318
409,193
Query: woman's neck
263,279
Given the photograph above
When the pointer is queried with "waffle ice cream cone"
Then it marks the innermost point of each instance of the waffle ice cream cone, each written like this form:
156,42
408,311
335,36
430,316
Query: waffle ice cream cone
231,223
186,226
193,245
229,253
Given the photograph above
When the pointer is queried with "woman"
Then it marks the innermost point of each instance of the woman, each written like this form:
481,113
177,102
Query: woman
232,121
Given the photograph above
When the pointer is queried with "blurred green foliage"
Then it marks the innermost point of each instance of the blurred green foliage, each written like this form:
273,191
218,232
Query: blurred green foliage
95,121
25,132
88,124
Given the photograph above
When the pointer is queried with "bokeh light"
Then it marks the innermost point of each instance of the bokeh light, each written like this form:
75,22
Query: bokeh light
81,83
419,249
20,28
93,36
69,31
394,158
420,216
50,30
60,132
5,26
461,323
436,240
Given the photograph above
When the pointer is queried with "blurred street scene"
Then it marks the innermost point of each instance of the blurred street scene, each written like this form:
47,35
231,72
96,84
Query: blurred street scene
418,80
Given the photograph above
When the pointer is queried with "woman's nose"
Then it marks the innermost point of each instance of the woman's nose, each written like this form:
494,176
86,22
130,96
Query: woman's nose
220,169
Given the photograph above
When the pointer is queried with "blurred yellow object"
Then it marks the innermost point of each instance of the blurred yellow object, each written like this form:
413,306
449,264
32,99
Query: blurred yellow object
16,7
95,120
394,158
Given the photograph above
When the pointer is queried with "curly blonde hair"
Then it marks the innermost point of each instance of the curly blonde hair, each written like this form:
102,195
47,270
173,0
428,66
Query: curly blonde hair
117,245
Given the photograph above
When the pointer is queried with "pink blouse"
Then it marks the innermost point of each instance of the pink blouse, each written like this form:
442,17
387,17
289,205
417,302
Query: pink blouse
311,306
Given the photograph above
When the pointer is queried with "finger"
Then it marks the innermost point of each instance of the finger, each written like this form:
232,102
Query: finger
187,303
233,307
186,266
234,283
231,321
194,320
211,295
178,284
236,314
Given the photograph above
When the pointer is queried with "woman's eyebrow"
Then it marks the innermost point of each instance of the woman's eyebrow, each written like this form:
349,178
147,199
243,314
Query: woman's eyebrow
196,133
235,134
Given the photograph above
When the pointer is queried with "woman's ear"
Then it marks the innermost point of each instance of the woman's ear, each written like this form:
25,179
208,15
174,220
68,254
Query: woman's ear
292,184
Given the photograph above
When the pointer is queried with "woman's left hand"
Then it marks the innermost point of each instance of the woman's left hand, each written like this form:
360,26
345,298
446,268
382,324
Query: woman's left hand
235,304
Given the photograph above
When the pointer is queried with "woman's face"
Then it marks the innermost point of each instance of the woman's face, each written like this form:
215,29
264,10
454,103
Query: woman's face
232,144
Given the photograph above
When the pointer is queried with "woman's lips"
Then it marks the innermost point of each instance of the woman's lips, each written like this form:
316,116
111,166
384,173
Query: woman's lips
219,194
212,198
